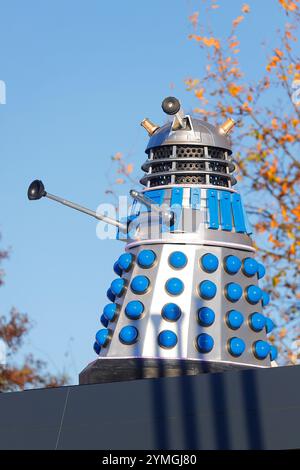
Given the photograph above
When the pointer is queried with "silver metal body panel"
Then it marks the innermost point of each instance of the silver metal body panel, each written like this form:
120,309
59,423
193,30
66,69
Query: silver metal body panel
187,327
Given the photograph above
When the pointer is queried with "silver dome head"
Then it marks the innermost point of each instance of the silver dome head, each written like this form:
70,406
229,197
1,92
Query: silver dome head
195,132
188,151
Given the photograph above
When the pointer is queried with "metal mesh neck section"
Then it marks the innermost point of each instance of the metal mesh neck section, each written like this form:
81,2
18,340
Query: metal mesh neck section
187,164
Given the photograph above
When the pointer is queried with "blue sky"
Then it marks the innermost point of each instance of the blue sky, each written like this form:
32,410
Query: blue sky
80,76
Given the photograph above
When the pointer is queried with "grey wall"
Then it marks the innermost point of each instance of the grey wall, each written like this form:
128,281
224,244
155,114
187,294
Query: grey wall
250,409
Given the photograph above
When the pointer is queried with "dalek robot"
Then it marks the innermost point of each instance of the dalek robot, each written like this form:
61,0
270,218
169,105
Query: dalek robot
186,298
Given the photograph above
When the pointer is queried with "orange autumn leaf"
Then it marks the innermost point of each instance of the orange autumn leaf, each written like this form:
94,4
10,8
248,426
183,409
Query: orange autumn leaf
191,83
209,42
260,227
237,21
194,19
291,235
200,111
199,93
235,72
245,8
296,212
234,89
129,168
246,107
273,63
234,44
282,332
284,188
284,213
275,242
270,173
293,357
120,181
204,112
288,34
117,156
287,138
278,52
288,5
275,280
274,223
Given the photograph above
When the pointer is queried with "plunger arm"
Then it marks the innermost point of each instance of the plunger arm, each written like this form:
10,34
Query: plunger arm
36,191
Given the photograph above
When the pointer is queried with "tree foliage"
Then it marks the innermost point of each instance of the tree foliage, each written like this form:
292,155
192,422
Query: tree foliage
29,372
266,144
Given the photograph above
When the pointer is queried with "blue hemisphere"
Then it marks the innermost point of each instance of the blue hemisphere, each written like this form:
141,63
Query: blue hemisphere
171,312
234,319
102,336
125,261
146,258
261,349
174,286
269,325
236,346
206,316
265,299
117,286
257,321
250,266
205,343
167,339
177,259
253,294
209,262
128,334
110,311
273,353
140,284
207,289
233,292
134,309
261,271
232,264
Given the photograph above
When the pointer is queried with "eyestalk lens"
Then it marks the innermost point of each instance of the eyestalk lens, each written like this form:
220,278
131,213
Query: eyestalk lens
170,105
